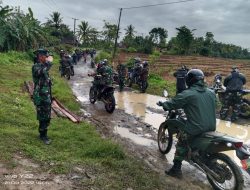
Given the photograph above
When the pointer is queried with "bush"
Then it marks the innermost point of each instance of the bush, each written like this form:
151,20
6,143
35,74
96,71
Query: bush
131,50
103,55
154,57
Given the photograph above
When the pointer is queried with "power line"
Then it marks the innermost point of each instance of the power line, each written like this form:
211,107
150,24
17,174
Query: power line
153,5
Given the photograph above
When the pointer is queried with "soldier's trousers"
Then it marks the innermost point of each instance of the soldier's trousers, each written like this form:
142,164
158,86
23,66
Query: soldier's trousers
43,116
230,99
121,82
182,147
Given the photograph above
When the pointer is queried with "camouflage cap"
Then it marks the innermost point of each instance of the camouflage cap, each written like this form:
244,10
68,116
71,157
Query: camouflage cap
42,51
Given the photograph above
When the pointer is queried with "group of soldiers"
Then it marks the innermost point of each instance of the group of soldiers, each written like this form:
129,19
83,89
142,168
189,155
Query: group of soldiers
233,83
42,86
78,54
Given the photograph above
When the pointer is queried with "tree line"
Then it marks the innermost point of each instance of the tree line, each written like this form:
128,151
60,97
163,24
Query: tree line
21,31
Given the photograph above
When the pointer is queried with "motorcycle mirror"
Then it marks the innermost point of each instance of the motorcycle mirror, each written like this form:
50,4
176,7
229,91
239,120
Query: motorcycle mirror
165,93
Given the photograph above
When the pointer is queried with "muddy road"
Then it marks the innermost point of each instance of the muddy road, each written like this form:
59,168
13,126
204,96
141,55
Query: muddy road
135,122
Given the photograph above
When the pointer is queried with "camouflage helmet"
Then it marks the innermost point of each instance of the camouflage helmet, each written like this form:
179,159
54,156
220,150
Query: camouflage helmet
42,51
137,59
105,62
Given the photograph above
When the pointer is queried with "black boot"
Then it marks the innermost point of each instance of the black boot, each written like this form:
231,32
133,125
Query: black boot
175,171
45,138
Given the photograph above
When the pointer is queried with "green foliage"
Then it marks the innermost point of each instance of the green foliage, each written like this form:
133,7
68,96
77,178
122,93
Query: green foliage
184,39
131,50
130,62
157,84
159,36
103,55
154,57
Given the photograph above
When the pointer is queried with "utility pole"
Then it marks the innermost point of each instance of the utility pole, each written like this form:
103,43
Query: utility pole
75,19
117,33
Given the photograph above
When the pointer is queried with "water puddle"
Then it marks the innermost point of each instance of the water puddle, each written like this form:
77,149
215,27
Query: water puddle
138,139
138,104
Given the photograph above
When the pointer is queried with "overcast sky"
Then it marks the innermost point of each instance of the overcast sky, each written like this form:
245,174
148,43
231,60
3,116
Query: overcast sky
229,20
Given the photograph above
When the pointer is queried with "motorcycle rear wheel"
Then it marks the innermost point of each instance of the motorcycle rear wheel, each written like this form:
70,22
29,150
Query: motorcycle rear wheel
231,170
110,105
164,139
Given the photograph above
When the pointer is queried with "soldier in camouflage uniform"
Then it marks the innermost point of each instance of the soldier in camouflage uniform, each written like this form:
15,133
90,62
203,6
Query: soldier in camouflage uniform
42,93
232,97
199,105
106,73
180,76
121,69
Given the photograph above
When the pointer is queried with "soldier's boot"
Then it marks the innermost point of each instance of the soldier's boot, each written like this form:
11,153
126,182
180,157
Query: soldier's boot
175,171
45,138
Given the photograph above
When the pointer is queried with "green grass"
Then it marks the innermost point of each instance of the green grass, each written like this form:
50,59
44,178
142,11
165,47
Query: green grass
157,84
73,144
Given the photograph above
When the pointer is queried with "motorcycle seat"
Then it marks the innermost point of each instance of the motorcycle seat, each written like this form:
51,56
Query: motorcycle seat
213,134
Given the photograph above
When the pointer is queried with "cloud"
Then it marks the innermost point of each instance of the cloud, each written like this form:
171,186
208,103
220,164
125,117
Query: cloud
227,19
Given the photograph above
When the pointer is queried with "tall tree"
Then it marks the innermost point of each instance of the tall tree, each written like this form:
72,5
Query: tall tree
109,33
84,32
129,35
184,39
159,36
130,31
55,20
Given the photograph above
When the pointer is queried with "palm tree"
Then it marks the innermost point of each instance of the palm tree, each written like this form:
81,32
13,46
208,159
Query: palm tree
84,31
130,31
55,20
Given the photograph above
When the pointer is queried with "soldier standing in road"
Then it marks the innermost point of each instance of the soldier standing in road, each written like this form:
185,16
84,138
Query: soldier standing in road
42,93
121,69
180,76
233,83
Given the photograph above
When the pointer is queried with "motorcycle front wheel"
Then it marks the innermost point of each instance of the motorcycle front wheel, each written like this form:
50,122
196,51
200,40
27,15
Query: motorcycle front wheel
228,174
110,103
92,96
165,139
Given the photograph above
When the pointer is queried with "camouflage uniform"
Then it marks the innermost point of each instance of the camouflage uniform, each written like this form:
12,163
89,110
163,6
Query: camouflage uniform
232,96
42,96
121,69
106,73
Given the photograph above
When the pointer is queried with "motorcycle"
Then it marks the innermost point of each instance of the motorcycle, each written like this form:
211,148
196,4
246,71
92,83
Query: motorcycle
221,90
66,72
205,153
137,79
104,94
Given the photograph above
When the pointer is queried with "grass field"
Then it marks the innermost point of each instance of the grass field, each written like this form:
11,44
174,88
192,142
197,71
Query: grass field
168,64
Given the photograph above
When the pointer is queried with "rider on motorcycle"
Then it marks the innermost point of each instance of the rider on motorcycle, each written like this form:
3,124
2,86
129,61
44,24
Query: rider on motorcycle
199,104
105,72
180,75
137,67
65,62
